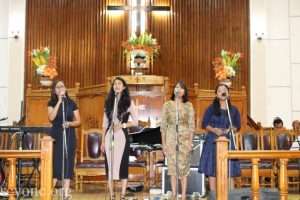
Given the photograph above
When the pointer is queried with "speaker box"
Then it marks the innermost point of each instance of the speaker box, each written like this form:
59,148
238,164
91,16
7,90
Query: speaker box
246,194
198,142
197,149
196,182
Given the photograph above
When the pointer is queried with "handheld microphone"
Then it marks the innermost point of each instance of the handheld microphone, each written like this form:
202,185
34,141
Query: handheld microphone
116,94
176,92
224,94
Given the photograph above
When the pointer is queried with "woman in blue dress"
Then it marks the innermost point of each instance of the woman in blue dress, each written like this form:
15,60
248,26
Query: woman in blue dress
216,122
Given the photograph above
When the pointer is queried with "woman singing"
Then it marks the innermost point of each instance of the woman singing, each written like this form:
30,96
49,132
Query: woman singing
120,155
216,121
185,136
60,96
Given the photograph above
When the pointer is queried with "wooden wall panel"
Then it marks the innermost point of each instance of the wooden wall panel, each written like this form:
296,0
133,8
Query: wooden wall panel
84,37
87,39
194,32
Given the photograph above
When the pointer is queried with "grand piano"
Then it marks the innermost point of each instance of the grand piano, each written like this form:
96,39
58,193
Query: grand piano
145,138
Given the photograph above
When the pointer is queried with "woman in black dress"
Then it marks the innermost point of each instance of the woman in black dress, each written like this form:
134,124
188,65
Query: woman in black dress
59,95
120,155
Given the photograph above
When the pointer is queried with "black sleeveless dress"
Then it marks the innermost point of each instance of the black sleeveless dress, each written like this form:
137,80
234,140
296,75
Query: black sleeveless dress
57,134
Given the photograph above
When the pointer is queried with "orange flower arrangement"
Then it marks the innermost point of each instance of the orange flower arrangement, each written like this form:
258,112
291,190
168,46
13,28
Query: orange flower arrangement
225,65
44,63
141,45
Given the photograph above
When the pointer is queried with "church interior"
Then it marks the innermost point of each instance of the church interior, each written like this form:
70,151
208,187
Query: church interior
251,46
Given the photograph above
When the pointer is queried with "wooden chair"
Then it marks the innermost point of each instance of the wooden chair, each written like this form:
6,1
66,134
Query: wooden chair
283,141
91,162
249,140
30,167
267,143
5,144
138,170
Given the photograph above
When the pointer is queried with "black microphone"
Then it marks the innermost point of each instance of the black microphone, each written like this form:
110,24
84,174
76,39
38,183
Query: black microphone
116,94
176,94
224,94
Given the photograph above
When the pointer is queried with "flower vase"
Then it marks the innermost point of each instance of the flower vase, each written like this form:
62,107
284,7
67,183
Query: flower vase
227,82
46,81
140,62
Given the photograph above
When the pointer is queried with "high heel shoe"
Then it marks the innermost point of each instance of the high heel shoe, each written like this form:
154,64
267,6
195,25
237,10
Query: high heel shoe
113,197
122,196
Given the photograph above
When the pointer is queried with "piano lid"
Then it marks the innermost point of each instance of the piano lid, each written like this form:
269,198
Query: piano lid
145,135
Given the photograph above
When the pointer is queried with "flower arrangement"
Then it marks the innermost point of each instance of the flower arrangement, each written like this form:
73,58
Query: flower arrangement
44,63
225,65
141,45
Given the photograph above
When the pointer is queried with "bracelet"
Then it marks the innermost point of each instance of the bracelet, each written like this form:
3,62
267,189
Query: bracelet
124,125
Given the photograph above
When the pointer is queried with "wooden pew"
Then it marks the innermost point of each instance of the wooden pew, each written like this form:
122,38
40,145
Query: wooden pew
222,160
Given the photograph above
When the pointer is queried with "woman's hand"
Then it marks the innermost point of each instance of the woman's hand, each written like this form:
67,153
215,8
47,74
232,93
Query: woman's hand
103,147
61,95
117,127
218,131
165,150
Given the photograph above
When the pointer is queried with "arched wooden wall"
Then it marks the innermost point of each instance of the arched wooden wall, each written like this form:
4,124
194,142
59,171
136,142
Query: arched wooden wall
86,39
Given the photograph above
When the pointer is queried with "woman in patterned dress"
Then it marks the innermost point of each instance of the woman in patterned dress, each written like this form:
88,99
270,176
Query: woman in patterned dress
185,136
120,154
216,121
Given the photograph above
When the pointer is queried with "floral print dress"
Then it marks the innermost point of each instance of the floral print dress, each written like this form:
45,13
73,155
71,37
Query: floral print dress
186,126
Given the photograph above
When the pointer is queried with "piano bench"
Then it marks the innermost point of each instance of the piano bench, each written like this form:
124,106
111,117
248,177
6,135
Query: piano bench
139,167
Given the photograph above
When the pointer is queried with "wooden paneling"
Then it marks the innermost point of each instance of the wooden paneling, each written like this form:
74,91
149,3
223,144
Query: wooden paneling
86,39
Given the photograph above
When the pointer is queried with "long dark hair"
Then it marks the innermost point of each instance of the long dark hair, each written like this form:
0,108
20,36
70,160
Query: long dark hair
216,103
123,104
54,98
185,97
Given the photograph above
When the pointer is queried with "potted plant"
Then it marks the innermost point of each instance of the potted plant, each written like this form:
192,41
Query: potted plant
142,47
225,66
44,64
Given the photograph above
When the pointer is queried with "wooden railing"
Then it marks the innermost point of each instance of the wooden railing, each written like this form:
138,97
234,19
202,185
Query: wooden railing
45,154
222,168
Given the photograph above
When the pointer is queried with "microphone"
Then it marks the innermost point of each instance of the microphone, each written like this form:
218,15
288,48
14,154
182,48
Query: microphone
176,92
224,94
116,94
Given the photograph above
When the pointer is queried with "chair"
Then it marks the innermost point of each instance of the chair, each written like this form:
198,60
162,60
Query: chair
283,141
137,170
30,167
91,162
249,140
7,142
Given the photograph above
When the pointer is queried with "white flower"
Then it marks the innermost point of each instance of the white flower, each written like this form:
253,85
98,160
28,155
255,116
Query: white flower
40,69
140,53
231,70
